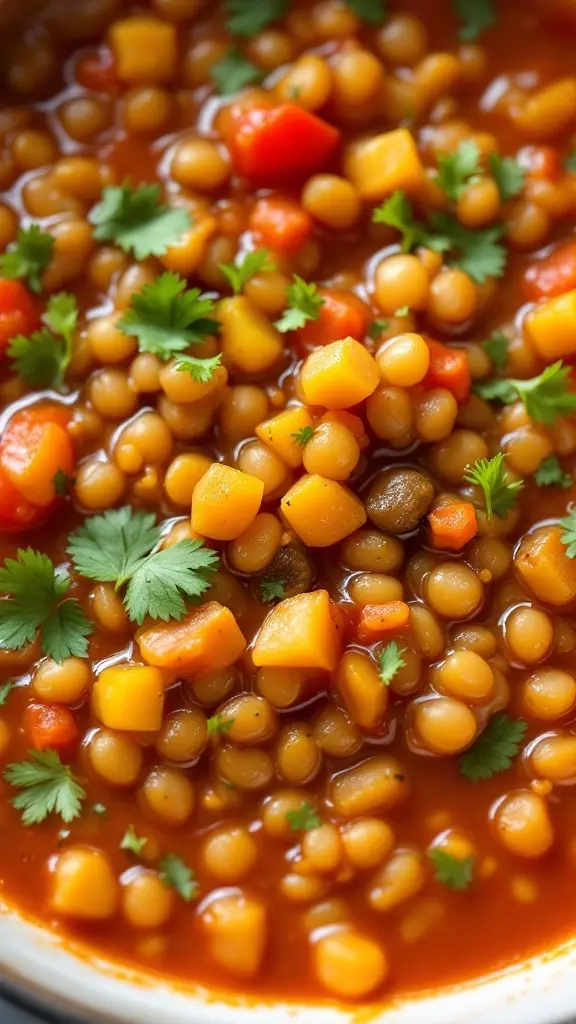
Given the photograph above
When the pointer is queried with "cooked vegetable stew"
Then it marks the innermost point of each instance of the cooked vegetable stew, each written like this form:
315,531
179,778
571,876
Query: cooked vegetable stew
287,538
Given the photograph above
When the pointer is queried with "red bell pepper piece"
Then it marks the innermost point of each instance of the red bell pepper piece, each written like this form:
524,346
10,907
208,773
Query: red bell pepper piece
343,315
275,146
280,223
19,312
448,369
552,276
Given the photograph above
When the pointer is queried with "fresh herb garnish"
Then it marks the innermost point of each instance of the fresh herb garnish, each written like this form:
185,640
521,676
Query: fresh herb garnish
117,548
5,691
459,169
234,72
100,809
201,370
390,661
304,304
455,872
272,589
246,18
551,474
570,162
62,482
28,256
476,16
43,358
252,263
402,312
304,818
545,397
494,749
217,725
500,493
376,327
569,536
303,435
167,317
36,601
372,12
137,221
496,347
175,874
508,175
131,842
48,787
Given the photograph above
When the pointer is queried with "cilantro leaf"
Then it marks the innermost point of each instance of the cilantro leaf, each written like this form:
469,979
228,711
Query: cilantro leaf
252,263
35,592
166,317
304,818
397,212
494,749
5,691
372,12
175,874
376,327
304,304
476,15
108,548
246,18
39,359
551,474
303,435
217,725
390,661
508,175
500,493
496,389
272,589
201,370
402,311
233,72
131,842
158,583
569,536
136,220
477,253
455,872
48,787
570,163
100,809
456,170
545,397
28,256
496,346
61,316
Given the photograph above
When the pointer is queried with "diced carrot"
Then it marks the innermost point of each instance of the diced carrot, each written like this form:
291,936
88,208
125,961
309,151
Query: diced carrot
15,512
339,375
19,311
453,526
224,502
300,632
380,164
544,567
208,638
272,146
321,511
34,448
378,619
50,727
343,315
281,433
280,223
249,341
552,276
97,71
448,369
145,49
551,327
541,162
129,697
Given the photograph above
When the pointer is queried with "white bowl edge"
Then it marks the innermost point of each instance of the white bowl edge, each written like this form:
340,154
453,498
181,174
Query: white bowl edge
33,960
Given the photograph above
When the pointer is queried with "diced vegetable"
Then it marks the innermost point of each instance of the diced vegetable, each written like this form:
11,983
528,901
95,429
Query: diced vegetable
249,341
377,620
273,146
34,448
97,71
339,375
448,369
184,255
360,688
342,315
300,632
552,276
280,223
224,502
544,567
453,526
208,638
281,433
129,697
15,512
321,511
551,327
19,312
84,885
50,727
379,165
144,49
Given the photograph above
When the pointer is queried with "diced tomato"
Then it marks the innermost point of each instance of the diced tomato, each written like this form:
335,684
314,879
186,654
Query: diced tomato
275,146
448,369
541,162
19,311
98,72
343,315
280,223
552,276
50,727
34,447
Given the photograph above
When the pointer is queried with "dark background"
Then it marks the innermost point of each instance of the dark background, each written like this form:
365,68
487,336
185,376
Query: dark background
10,1015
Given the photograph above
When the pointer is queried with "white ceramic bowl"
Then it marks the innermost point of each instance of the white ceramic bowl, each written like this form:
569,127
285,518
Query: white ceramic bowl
46,973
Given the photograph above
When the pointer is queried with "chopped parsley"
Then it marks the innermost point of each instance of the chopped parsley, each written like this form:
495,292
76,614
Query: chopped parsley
496,346
217,725
494,749
570,162
175,874
402,311
272,589
47,787
117,547
551,474
36,593
100,809
137,221
167,317
304,304
508,175
372,12
234,72
390,661
252,263
376,327
457,170
303,435
131,842
5,691
500,493
476,16
569,536
27,257
455,872
43,358
545,397
304,818
246,18
201,370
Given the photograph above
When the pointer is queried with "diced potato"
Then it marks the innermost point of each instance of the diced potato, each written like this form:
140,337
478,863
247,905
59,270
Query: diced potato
249,341
551,327
84,885
300,632
224,502
144,48
235,926
384,163
339,375
361,689
279,433
129,697
208,638
543,565
186,253
321,511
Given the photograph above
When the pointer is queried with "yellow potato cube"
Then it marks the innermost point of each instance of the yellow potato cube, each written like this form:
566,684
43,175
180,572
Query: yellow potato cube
322,511
249,341
144,48
279,433
129,697
84,885
384,163
339,375
300,632
224,502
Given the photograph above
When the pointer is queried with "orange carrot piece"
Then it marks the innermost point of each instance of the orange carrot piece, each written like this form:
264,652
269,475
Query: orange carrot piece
376,619
208,638
50,727
453,526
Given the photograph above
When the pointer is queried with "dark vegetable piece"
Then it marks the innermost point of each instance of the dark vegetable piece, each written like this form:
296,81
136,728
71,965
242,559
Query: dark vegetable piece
399,499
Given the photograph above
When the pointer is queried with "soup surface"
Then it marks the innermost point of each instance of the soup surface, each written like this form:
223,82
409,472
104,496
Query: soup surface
287,645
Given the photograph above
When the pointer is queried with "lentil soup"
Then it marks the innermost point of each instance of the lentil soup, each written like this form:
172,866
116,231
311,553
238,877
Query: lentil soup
287,642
